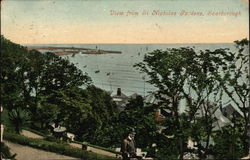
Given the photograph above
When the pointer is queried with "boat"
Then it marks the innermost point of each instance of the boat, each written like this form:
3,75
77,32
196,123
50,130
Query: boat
97,71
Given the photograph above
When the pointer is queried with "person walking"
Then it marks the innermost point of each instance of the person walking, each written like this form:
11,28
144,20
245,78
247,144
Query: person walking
128,147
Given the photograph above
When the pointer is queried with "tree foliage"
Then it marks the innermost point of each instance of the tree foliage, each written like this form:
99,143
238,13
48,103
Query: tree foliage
201,78
229,142
29,77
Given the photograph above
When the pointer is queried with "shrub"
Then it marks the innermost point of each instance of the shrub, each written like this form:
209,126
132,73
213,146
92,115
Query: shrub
51,138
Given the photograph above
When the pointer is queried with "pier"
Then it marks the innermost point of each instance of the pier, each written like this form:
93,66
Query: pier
61,51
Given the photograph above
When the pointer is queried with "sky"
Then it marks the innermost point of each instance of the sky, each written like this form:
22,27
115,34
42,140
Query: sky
124,21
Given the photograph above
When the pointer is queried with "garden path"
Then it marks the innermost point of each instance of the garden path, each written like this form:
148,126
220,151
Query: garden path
29,153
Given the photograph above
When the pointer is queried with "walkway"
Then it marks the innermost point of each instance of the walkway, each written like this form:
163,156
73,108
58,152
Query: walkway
30,134
95,150
29,153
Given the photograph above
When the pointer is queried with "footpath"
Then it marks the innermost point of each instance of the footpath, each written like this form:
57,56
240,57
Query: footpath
95,150
29,153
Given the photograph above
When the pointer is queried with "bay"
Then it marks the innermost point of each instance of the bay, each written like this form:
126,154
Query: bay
112,71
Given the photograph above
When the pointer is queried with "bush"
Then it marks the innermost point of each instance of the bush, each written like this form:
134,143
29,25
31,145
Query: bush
53,139
55,147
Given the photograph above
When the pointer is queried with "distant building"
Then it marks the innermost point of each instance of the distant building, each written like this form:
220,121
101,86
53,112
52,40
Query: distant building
230,112
133,96
151,98
161,114
120,99
219,119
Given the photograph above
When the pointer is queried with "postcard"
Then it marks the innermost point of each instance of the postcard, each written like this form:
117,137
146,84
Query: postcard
125,79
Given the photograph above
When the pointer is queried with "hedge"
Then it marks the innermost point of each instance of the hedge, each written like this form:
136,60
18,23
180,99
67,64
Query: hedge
55,147
51,138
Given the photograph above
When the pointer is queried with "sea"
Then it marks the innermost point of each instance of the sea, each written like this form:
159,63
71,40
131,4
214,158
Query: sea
113,71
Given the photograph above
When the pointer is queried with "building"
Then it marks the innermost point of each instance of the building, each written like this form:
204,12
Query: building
120,99
230,112
161,114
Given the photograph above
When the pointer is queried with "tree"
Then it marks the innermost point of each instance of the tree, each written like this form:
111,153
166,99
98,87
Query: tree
29,76
50,73
135,103
206,93
229,142
46,111
73,110
104,110
59,73
235,81
168,72
139,117
195,76
12,58
84,112
143,121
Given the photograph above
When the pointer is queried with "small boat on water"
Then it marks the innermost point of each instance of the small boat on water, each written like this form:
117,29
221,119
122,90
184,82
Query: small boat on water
97,71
